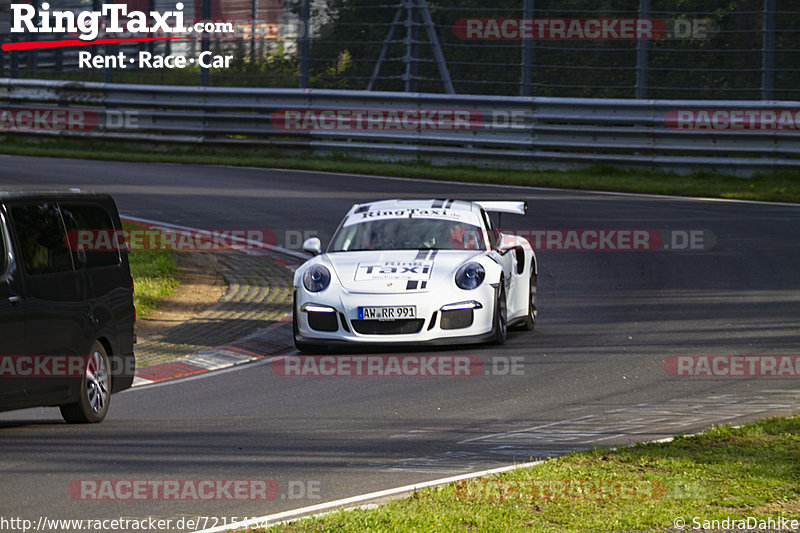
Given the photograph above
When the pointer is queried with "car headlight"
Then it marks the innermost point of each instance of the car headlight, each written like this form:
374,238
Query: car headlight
470,276
316,278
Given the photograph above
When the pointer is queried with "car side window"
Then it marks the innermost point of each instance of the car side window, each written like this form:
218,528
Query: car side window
493,236
42,238
92,236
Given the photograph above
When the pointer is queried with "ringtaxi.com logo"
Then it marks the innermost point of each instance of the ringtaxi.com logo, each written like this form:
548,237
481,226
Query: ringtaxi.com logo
111,18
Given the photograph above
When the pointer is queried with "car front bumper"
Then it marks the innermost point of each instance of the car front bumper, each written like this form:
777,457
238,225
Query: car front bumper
331,317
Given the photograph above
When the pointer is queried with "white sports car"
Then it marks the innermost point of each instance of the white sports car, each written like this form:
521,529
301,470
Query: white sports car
416,271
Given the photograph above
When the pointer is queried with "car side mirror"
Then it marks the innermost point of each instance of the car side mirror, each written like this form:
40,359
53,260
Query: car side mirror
313,246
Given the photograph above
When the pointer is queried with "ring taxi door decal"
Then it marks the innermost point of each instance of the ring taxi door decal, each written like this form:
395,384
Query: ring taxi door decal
394,271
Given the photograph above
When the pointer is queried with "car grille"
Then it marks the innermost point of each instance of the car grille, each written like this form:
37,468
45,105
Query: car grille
388,327
461,318
323,321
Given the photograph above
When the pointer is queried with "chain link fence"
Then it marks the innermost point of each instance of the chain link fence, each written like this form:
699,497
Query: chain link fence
677,49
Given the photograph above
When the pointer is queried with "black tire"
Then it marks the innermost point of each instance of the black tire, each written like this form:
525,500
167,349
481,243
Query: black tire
500,322
297,344
302,346
530,321
95,390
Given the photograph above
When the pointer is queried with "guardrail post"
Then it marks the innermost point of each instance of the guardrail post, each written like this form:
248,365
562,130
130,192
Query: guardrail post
430,28
253,15
303,45
204,42
768,51
384,49
108,73
151,6
33,60
642,54
527,53
412,49
13,68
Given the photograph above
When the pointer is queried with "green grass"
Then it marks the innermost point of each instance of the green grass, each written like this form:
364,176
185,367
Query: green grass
722,473
154,276
779,186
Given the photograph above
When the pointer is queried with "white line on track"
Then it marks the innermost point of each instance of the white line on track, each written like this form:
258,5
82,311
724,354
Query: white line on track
316,510
525,187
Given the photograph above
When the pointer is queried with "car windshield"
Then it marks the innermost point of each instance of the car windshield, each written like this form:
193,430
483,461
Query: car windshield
407,234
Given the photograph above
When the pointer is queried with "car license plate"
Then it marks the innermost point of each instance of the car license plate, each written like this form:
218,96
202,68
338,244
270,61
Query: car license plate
390,312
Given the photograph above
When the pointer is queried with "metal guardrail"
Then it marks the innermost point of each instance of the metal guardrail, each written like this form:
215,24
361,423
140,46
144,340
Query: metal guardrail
510,132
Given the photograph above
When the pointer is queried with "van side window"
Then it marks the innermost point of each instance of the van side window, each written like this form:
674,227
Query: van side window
91,231
42,238
3,250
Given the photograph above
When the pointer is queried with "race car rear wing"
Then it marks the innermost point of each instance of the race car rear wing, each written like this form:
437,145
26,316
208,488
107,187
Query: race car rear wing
516,208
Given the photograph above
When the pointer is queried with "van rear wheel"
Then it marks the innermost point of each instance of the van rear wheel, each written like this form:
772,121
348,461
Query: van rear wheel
95,390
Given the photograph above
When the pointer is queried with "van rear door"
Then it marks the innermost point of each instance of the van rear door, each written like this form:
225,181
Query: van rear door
99,251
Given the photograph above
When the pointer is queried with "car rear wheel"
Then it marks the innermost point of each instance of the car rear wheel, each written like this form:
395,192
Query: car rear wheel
501,315
95,390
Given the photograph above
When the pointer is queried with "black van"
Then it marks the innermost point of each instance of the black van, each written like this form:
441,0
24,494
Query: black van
60,304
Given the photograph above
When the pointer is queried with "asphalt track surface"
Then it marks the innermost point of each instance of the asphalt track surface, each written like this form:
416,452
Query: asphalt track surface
592,373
